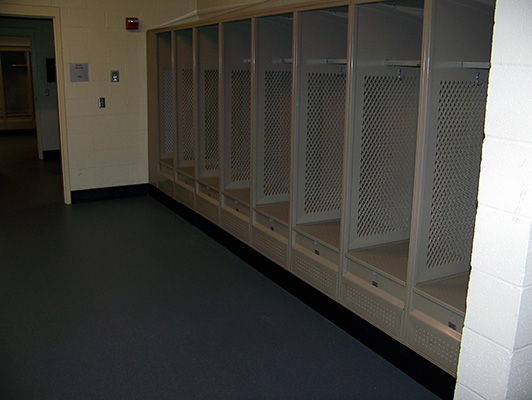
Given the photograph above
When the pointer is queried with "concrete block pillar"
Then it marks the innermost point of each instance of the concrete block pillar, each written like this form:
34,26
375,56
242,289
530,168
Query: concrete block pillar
496,354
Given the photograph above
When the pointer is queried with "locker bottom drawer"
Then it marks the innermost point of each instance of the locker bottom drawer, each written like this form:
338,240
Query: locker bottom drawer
208,208
236,224
270,244
184,195
319,272
372,303
167,187
434,340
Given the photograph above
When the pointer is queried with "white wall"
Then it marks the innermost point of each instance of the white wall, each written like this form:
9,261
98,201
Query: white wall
106,147
496,354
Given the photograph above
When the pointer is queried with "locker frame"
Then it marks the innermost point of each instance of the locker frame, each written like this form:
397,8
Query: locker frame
442,295
235,44
271,211
386,56
207,179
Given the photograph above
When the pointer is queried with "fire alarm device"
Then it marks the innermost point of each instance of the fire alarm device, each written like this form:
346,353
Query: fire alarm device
132,23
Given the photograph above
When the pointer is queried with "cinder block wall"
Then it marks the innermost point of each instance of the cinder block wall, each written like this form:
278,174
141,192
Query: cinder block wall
496,354
106,147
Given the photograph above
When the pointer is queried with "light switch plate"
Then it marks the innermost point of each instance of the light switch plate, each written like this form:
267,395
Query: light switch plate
101,102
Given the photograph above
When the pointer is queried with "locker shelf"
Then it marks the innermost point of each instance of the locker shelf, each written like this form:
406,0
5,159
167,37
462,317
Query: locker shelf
327,233
476,65
169,162
403,63
242,195
279,212
189,171
210,181
390,259
450,292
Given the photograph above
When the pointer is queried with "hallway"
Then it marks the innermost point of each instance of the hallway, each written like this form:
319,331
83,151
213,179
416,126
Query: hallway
123,299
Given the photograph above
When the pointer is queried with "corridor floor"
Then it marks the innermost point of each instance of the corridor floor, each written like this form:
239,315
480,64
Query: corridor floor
123,299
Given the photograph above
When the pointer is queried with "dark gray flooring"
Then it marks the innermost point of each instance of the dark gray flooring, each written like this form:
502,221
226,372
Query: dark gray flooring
122,299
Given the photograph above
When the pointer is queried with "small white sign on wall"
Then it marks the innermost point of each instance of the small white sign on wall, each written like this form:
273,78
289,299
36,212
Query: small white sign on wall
79,72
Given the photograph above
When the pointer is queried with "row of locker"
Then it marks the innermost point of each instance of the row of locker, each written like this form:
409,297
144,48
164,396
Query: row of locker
343,143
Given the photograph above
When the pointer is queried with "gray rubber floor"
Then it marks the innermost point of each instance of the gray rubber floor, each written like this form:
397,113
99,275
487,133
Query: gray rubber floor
122,299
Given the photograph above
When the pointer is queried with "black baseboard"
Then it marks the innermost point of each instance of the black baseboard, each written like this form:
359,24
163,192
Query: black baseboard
115,192
51,155
418,368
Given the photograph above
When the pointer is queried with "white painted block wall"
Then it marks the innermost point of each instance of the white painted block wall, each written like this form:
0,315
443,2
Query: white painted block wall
496,353
106,147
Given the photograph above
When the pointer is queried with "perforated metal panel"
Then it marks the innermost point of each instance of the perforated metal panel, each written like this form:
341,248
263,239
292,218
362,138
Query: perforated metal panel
456,172
167,112
166,186
314,272
324,142
435,344
387,151
207,208
184,195
373,307
277,120
270,246
210,126
236,225
240,125
187,115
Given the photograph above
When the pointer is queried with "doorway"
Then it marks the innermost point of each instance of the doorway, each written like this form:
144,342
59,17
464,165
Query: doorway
29,97
16,84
